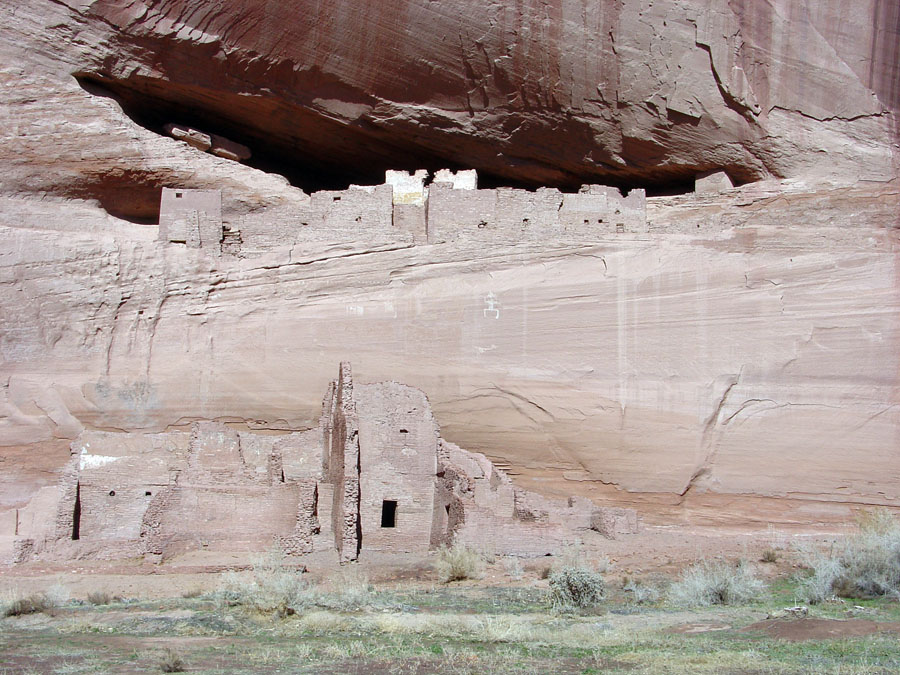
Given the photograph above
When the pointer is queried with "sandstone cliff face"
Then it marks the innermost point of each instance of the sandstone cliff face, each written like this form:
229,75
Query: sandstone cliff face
746,344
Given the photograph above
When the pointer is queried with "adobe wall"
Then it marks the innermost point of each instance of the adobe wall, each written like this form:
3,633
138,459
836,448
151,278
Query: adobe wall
398,463
406,210
510,215
342,466
324,489
191,217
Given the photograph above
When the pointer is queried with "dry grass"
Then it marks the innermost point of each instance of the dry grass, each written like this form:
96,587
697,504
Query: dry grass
100,598
716,583
864,565
457,563
171,662
272,588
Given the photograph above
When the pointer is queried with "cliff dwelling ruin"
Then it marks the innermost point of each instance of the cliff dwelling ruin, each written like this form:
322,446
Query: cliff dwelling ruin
375,475
406,209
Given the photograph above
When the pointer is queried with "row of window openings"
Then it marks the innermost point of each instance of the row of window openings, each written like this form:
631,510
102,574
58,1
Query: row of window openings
620,227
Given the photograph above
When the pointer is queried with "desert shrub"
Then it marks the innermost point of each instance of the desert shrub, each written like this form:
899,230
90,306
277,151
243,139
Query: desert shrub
641,593
716,583
864,565
350,590
457,563
100,598
770,555
271,589
171,662
513,568
31,604
575,588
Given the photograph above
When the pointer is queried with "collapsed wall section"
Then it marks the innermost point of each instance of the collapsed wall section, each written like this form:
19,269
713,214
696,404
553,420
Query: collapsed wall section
342,467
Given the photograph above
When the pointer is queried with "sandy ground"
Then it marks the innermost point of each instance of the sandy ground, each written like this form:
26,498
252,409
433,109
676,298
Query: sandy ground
655,551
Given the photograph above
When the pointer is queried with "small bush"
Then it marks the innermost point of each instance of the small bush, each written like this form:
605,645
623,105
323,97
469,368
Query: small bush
35,603
513,568
100,598
641,593
272,588
864,565
171,662
350,590
457,563
575,588
716,583
770,555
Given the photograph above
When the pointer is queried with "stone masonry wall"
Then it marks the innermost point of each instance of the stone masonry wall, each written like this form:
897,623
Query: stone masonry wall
191,217
406,210
398,463
374,476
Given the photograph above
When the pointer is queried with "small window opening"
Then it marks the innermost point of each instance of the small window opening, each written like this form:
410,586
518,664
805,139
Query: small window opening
112,493
586,221
282,475
358,219
525,222
336,199
148,493
404,431
482,224
76,513
600,220
389,513
178,195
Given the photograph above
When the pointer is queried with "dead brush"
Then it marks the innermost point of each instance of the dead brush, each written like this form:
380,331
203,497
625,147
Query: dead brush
770,555
31,604
863,565
457,563
100,598
171,662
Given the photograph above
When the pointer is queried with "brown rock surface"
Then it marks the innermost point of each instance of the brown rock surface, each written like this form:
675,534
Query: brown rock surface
558,93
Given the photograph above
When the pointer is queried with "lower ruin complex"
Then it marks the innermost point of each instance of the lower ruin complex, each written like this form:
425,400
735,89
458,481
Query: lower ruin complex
375,475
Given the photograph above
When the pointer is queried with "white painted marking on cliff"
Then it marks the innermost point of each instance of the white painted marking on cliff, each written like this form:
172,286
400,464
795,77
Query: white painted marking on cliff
93,461
491,305
482,350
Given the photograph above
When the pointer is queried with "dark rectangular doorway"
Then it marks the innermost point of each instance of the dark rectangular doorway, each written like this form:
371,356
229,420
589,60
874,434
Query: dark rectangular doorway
389,513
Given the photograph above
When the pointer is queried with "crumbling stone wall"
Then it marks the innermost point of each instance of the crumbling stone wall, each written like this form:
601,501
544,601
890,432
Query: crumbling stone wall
405,209
374,476
507,214
342,469
191,217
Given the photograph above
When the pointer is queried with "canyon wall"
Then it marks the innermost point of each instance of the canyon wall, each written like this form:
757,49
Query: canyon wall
742,345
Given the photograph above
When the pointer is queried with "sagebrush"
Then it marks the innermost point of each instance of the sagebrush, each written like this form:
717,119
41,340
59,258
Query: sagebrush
864,565
273,588
716,583
575,588
458,562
